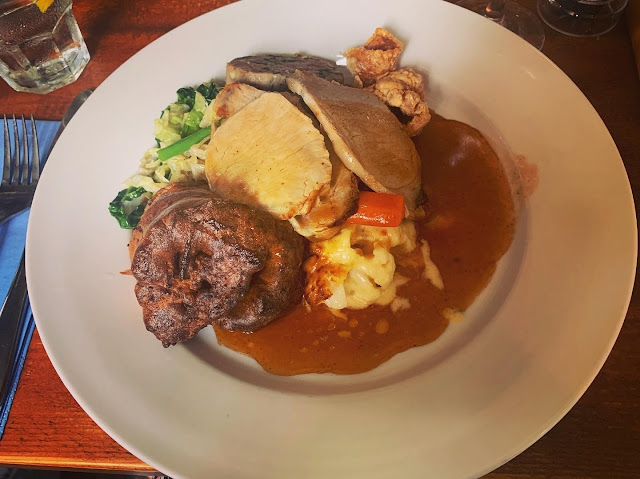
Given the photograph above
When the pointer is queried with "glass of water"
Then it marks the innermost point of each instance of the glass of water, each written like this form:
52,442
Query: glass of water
41,47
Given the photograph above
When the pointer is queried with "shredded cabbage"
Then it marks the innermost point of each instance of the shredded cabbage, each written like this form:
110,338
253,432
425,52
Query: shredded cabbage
192,111
174,120
167,129
153,174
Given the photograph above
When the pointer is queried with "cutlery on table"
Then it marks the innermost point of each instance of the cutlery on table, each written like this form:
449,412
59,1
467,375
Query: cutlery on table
21,171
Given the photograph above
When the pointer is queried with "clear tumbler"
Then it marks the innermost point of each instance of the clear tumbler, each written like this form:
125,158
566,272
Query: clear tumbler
41,47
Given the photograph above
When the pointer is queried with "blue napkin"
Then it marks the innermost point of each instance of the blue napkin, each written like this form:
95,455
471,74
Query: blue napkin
12,238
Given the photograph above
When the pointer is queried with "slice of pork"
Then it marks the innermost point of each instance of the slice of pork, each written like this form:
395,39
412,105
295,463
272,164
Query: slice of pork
271,156
336,202
332,208
233,98
270,71
366,136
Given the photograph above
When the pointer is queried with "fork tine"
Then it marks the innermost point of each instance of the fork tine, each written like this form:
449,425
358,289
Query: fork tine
24,170
15,163
35,152
6,163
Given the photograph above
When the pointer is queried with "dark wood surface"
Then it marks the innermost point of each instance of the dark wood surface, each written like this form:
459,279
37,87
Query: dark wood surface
599,437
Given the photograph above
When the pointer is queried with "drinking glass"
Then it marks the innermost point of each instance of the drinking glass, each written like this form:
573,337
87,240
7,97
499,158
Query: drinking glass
511,15
581,18
41,47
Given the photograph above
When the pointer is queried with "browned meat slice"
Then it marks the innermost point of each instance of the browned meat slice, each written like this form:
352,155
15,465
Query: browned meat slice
233,98
367,137
200,259
332,208
270,71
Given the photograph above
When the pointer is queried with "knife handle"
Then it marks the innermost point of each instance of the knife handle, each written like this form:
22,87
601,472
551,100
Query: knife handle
11,318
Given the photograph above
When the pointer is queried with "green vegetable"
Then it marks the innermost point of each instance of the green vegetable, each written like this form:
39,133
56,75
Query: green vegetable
209,91
191,123
182,118
186,96
183,145
126,200
194,117
167,129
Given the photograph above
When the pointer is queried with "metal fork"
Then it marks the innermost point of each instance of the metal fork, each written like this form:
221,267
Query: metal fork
15,325
20,174
20,170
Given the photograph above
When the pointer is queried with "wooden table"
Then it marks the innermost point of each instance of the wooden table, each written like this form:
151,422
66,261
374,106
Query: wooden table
599,437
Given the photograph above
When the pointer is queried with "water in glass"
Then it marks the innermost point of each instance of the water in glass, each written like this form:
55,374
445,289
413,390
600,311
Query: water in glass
41,47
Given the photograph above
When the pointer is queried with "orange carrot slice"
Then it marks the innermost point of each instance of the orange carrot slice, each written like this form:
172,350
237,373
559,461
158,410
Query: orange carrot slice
378,209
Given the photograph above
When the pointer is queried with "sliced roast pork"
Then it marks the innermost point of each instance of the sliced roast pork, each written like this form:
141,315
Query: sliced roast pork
367,137
335,202
269,155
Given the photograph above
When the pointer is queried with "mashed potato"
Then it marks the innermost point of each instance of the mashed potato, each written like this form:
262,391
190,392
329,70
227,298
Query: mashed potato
356,268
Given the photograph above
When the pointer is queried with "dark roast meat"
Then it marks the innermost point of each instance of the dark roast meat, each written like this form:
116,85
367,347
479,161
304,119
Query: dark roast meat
200,259
270,71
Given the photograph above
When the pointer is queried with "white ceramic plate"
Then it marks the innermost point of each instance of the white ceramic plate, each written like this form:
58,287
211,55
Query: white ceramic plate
479,395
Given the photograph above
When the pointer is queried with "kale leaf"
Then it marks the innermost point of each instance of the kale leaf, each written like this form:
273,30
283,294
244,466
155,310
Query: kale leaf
186,96
118,208
209,91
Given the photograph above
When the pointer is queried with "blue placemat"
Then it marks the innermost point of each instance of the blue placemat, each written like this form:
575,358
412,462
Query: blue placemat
12,239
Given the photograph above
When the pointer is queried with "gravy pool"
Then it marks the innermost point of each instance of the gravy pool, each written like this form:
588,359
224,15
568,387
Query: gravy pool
469,226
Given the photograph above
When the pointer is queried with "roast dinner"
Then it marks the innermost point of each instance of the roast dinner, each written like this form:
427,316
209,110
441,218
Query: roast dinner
317,214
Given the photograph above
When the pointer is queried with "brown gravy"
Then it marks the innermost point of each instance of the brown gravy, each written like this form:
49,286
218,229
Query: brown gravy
470,225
